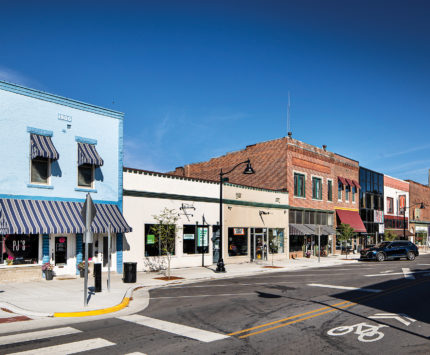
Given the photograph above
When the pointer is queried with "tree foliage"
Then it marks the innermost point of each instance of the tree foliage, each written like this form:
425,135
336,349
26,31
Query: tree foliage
389,236
344,233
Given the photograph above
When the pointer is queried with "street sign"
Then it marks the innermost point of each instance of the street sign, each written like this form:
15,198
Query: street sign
88,213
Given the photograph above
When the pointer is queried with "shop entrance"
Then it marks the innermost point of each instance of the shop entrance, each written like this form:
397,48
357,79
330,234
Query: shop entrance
259,243
60,250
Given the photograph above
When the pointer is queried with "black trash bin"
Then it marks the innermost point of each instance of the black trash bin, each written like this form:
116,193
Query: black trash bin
129,272
97,277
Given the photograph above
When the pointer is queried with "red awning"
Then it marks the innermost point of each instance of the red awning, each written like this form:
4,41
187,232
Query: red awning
357,185
352,218
342,180
350,183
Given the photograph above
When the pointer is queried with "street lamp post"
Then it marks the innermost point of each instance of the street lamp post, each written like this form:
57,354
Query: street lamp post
404,216
220,267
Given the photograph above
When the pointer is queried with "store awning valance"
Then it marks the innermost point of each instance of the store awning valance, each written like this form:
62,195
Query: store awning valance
42,146
352,218
87,154
399,232
349,182
40,217
299,229
328,230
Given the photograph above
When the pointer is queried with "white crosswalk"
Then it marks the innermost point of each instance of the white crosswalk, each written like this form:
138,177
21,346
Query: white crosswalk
41,334
68,348
179,329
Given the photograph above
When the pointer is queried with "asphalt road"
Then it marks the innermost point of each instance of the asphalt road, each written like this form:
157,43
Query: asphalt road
279,313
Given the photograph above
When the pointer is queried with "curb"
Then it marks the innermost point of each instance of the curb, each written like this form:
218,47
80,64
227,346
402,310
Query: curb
124,303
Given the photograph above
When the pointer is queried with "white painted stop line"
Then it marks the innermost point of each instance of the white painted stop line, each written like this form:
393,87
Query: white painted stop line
347,288
69,348
178,329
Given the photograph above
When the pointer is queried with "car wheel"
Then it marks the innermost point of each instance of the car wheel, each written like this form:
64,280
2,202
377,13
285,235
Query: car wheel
380,257
410,256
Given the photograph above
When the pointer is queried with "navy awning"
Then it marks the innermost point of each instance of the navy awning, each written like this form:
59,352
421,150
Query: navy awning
39,217
87,154
42,146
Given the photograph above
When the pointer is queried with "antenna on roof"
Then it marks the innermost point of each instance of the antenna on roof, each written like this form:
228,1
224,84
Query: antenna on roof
288,116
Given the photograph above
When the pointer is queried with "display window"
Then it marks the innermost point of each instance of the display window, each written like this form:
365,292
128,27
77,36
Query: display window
237,241
20,249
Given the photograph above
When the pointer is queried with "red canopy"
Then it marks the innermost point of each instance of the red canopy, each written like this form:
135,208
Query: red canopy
352,218
342,180
357,185
350,183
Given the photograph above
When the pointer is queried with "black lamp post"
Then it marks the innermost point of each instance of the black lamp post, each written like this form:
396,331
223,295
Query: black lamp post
248,171
404,216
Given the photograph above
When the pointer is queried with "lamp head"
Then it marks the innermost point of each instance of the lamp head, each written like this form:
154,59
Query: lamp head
248,170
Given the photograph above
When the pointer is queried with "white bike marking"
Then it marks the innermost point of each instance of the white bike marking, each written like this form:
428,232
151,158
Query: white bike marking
401,317
366,332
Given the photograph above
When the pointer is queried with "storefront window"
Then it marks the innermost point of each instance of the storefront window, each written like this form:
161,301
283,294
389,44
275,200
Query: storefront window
276,240
20,248
195,240
153,245
237,241
296,243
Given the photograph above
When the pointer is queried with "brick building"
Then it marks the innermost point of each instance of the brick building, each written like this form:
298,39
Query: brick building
323,187
419,218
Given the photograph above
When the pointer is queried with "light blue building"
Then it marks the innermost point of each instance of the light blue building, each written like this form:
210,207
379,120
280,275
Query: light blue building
54,151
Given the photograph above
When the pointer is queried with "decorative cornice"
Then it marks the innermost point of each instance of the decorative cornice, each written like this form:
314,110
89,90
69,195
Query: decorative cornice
85,140
40,132
60,100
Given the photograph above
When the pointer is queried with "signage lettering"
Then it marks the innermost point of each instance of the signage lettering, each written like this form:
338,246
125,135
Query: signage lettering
63,117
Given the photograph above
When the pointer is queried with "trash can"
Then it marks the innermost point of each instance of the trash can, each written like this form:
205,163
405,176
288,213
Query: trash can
129,275
97,277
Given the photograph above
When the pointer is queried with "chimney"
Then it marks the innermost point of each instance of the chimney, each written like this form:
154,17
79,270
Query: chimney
324,147
180,171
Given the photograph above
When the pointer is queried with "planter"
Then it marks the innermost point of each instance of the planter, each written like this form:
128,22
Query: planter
49,275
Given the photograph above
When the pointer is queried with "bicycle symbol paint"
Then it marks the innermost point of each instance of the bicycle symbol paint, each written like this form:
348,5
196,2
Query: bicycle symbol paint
366,332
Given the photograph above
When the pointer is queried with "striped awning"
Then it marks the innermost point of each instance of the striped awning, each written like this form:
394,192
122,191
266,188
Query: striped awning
87,154
299,229
39,216
42,146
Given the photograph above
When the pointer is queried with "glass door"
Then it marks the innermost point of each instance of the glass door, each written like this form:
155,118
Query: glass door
60,250
259,245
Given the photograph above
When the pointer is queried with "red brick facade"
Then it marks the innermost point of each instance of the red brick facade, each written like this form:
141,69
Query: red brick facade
419,193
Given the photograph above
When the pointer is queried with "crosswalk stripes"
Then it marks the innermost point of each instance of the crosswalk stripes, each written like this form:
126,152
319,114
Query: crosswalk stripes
41,334
68,348
178,329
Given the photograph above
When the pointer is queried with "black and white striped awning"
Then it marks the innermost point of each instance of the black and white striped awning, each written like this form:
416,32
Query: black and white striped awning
299,229
87,154
50,217
42,146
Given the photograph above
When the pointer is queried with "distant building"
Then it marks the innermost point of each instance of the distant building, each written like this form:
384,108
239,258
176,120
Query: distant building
55,151
419,218
323,187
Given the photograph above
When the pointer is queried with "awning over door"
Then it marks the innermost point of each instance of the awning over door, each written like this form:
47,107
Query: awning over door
42,146
38,216
87,154
352,218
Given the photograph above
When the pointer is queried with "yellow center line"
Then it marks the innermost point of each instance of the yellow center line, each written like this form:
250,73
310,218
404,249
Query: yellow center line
345,304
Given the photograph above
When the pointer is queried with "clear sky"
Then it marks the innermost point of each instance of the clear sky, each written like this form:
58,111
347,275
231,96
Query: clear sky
196,79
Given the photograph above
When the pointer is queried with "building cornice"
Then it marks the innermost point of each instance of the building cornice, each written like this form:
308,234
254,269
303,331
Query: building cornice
60,100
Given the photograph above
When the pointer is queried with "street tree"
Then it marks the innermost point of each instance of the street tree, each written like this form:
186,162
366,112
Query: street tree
165,234
344,233
389,236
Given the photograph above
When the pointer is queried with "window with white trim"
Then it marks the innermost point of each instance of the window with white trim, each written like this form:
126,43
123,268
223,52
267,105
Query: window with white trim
86,176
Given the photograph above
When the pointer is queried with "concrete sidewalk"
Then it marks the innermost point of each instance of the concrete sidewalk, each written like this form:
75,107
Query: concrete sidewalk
37,299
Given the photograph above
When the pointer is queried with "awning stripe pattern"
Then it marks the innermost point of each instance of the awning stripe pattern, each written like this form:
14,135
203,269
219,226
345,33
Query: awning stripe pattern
87,154
37,216
42,146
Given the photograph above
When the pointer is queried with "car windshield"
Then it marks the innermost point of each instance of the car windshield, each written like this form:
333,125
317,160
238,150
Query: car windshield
382,245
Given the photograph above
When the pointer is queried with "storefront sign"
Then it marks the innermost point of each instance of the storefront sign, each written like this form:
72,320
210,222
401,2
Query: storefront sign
402,202
188,236
150,239
202,240
381,228
239,231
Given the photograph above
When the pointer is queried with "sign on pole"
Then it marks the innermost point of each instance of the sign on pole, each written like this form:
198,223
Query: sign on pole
88,213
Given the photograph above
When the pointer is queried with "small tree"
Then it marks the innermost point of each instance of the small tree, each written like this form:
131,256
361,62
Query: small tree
165,233
344,233
389,236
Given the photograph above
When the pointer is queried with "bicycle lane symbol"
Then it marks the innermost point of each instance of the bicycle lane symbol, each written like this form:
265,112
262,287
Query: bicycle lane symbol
366,332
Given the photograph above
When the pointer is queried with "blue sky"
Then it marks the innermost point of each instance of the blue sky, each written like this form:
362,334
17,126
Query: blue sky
197,79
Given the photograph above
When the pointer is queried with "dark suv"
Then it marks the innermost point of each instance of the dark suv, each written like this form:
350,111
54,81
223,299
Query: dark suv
390,250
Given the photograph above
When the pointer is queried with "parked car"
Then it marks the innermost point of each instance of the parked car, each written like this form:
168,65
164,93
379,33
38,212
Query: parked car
390,250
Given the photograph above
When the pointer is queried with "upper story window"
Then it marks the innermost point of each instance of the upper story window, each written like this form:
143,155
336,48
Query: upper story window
42,153
339,191
347,190
354,192
88,159
299,185
390,205
317,188
329,190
